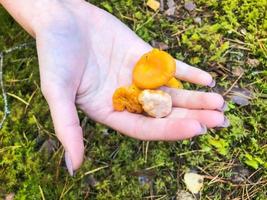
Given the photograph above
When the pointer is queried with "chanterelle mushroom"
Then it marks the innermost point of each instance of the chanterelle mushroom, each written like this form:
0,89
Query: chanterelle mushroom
174,83
127,98
154,69
156,103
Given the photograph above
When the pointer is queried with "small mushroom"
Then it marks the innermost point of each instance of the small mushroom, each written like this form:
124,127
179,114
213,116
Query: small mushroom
154,69
127,98
174,83
156,103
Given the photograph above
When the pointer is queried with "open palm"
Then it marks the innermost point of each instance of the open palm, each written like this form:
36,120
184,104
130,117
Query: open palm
84,55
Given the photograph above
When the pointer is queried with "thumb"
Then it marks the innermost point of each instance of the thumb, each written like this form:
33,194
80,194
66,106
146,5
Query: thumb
66,124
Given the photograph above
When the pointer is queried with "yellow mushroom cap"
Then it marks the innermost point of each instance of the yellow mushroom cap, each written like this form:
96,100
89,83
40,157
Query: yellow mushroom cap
154,69
174,83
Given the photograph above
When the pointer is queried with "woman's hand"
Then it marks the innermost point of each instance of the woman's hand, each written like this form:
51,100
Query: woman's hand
84,55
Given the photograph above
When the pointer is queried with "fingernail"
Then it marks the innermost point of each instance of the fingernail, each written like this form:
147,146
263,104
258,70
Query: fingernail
68,163
212,84
226,123
203,130
224,107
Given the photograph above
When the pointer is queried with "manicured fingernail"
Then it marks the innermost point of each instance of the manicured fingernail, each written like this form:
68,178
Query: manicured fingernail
68,163
223,108
226,123
212,84
203,129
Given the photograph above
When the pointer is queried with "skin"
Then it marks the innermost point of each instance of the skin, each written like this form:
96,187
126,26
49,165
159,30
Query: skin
84,55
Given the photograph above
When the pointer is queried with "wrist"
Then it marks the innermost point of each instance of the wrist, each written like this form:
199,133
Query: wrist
34,15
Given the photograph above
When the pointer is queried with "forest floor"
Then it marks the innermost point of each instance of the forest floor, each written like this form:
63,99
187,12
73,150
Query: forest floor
227,38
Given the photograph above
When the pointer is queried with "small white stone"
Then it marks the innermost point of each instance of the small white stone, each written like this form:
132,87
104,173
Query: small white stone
193,182
197,20
156,103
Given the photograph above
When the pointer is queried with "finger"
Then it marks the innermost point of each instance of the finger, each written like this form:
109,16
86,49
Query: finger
192,74
67,127
147,128
195,99
209,118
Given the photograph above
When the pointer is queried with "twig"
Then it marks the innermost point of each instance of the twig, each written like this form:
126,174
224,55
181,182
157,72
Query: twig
155,196
151,18
215,179
182,31
94,170
42,193
4,94
6,109
239,77
18,98
147,146
161,5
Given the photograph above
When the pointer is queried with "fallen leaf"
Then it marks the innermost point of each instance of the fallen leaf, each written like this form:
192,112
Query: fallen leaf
238,71
90,180
240,100
171,8
48,146
193,182
242,91
253,62
190,5
183,195
240,96
10,196
159,45
170,3
153,4
239,174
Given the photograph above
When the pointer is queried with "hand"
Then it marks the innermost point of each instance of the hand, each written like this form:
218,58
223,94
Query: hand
84,55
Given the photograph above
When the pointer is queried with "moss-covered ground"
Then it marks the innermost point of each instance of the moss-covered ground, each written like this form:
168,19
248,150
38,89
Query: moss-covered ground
230,42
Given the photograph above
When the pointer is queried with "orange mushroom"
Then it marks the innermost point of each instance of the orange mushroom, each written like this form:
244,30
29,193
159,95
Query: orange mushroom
127,98
174,83
154,69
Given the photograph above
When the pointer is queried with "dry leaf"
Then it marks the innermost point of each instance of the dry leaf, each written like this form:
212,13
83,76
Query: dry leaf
184,195
171,8
153,4
48,146
193,182
159,45
10,196
240,100
90,180
170,3
240,96
253,62
190,5
238,71
239,174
